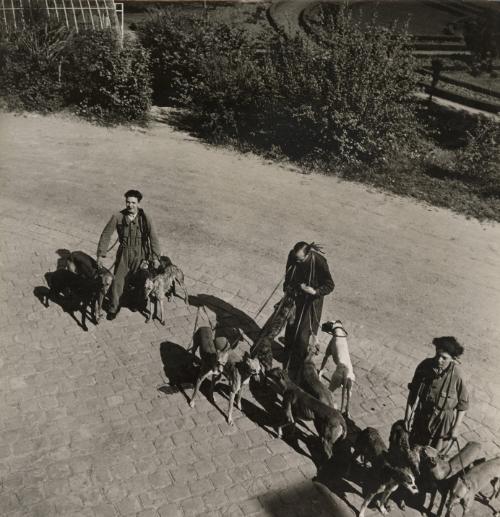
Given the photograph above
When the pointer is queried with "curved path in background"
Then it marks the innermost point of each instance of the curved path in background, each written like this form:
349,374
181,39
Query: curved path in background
286,15
84,429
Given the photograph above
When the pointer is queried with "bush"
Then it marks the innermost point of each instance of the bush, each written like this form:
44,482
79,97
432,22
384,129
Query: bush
178,45
30,64
479,158
46,67
105,80
350,102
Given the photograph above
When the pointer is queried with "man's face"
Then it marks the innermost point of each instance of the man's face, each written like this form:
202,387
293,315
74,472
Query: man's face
443,359
132,205
300,255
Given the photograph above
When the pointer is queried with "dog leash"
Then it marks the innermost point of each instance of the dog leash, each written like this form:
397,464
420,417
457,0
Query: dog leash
455,439
208,317
272,294
194,329
415,405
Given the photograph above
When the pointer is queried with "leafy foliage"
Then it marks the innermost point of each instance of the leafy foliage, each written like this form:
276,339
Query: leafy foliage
46,67
105,80
350,102
30,64
479,158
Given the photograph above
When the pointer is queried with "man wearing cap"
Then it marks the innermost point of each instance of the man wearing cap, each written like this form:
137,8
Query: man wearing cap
438,396
138,241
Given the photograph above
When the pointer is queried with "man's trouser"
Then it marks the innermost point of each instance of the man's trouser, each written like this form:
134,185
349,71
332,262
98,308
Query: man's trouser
296,343
127,264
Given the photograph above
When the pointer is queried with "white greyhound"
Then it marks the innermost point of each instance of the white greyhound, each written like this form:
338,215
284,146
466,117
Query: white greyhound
339,350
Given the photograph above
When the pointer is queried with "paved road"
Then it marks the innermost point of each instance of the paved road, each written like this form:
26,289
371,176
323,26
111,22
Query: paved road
85,429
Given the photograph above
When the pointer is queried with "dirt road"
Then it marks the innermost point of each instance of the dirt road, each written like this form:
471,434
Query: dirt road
404,272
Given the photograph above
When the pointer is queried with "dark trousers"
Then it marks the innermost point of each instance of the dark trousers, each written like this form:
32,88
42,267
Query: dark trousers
297,337
127,263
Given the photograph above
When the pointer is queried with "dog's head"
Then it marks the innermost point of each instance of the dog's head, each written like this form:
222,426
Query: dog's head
144,265
335,328
252,365
105,278
399,434
148,287
286,308
429,457
165,262
406,477
279,376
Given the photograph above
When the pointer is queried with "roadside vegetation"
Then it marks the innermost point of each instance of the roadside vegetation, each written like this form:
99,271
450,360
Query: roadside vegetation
46,67
347,108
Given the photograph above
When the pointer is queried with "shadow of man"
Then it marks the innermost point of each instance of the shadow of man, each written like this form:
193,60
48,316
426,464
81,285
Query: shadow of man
228,319
179,367
62,261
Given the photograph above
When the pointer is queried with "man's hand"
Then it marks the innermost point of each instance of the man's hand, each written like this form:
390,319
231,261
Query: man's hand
156,263
99,261
308,289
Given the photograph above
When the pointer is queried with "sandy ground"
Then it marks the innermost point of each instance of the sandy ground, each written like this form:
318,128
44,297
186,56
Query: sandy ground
405,272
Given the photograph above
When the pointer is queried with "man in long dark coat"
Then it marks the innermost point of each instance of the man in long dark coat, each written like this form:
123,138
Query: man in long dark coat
138,241
308,278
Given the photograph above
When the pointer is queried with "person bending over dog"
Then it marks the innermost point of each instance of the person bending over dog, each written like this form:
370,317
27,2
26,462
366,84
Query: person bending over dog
308,278
138,241
438,396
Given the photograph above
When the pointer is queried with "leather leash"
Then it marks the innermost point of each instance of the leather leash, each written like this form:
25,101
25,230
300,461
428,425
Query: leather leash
461,463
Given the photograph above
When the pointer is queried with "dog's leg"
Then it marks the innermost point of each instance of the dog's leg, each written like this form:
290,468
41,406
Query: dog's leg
162,311
343,396
83,309
444,496
100,300
213,382
451,503
348,399
185,292
369,499
467,502
238,398
287,405
230,408
199,382
432,500
97,308
328,353
496,489
391,488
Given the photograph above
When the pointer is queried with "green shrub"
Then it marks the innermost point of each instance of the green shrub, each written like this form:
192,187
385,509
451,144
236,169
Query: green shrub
30,64
478,160
350,102
105,80
46,67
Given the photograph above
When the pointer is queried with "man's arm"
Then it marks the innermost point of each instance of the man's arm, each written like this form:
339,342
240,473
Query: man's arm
102,247
289,272
155,243
327,285
414,393
462,407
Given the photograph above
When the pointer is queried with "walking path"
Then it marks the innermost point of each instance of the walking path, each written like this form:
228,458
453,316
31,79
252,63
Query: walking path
85,429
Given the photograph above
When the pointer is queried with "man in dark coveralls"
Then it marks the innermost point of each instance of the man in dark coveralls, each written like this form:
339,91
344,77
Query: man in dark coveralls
308,278
138,241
